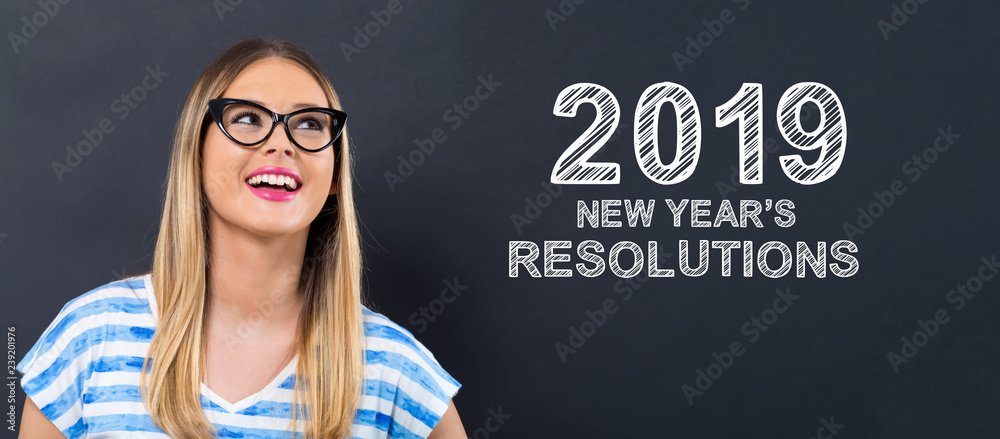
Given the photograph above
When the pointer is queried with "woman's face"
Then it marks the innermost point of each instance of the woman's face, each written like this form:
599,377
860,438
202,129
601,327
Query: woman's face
281,86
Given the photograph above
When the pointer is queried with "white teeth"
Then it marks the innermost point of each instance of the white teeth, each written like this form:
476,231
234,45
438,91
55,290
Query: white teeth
273,179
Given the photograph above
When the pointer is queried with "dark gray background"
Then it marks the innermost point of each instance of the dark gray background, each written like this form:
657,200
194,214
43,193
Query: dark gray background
825,357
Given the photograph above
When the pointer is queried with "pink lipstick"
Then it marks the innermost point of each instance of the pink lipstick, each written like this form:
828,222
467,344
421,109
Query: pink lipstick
274,183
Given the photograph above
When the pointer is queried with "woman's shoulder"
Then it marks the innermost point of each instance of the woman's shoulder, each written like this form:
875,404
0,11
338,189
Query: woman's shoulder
114,300
100,332
383,334
391,346
86,320
401,370
118,295
122,294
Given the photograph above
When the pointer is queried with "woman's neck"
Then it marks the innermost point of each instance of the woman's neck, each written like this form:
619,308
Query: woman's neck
253,281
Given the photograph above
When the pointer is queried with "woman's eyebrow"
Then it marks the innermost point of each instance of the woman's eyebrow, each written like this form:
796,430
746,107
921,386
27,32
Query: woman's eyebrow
296,106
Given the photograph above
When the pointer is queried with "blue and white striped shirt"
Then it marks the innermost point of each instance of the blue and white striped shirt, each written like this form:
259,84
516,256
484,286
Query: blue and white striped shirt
83,373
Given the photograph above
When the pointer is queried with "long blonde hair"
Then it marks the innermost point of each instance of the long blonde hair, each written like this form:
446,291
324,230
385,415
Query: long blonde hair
330,369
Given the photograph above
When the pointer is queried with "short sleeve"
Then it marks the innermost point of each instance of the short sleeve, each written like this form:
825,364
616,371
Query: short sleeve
419,388
424,405
57,368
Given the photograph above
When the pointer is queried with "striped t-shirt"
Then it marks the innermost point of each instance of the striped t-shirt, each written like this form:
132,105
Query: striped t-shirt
83,373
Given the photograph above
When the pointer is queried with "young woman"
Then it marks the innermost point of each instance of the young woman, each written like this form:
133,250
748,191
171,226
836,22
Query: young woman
250,323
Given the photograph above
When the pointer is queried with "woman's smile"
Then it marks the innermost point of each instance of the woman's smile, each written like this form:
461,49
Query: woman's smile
274,183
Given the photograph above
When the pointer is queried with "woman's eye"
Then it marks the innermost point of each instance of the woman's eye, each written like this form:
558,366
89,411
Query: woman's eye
309,124
247,118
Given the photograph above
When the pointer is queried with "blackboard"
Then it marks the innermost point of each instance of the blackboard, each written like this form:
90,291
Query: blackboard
454,121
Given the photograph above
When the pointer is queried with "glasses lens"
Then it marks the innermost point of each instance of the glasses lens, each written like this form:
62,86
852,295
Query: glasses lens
245,123
313,129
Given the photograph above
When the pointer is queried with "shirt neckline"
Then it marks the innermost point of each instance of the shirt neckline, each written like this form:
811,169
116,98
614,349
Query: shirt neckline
231,407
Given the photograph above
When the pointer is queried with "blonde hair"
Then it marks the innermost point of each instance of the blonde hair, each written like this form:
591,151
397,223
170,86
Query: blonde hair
330,346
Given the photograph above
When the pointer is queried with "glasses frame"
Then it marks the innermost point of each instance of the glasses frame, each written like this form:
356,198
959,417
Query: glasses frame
216,107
